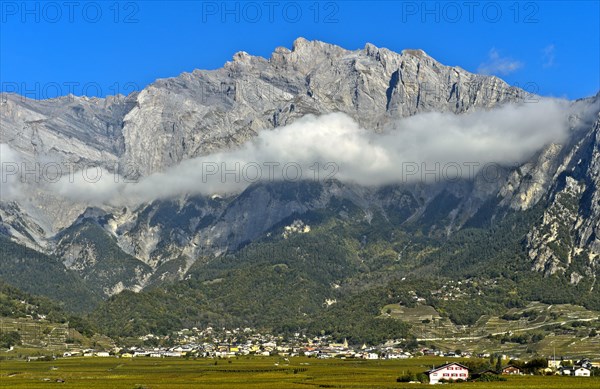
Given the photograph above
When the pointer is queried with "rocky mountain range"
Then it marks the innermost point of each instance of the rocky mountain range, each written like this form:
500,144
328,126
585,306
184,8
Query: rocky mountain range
114,247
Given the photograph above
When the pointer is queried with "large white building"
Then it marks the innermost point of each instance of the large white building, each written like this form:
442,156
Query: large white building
582,372
449,371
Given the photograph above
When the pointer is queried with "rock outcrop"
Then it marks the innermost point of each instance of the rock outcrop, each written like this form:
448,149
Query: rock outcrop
202,112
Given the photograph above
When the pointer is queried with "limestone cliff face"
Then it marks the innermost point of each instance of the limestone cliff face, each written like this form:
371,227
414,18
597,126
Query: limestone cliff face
202,112
566,239
67,129
205,111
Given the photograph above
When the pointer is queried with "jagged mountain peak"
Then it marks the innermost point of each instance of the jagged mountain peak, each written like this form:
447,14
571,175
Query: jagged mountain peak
302,44
206,111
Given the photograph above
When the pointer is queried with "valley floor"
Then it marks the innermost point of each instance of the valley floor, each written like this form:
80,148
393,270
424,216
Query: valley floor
244,372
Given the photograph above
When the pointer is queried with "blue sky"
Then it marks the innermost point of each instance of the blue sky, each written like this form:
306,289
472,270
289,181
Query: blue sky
99,48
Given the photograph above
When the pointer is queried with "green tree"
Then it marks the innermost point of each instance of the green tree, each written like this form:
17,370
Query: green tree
9,339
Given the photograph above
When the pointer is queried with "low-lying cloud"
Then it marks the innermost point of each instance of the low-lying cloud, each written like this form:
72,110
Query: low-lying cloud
335,146
9,180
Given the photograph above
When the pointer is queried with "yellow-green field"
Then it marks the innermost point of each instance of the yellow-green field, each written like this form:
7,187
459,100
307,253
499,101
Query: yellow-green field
247,372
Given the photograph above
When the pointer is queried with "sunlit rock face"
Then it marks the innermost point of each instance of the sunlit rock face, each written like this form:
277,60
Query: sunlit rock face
203,112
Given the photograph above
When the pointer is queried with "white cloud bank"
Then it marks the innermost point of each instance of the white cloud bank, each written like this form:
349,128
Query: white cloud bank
9,179
507,135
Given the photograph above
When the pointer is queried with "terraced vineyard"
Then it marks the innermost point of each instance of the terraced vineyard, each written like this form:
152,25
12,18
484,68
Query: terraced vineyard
564,329
39,337
50,336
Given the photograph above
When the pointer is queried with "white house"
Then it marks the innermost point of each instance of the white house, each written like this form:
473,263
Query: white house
449,371
582,372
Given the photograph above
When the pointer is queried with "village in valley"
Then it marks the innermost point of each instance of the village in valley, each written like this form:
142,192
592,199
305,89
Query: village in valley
536,340
223,344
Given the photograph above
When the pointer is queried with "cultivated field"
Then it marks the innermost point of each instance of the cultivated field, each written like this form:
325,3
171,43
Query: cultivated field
247,372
